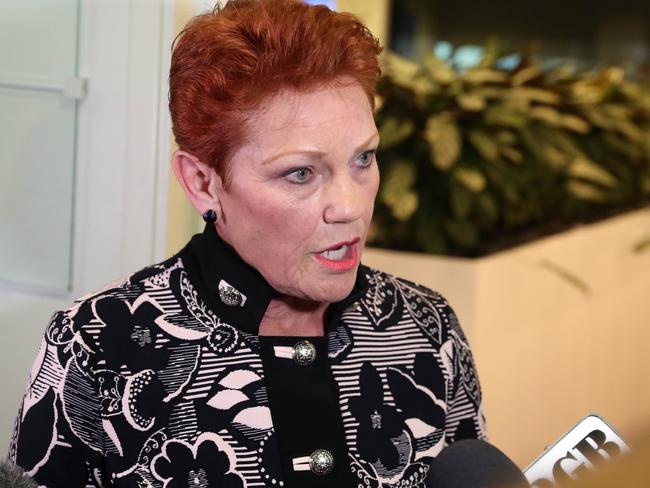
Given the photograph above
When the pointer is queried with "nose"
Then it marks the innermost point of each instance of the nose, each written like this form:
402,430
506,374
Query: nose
344,200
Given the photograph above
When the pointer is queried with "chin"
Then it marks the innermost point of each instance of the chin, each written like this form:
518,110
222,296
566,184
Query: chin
335,290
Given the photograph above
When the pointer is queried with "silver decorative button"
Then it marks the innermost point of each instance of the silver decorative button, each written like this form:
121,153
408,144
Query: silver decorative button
229,296
303,353
321,462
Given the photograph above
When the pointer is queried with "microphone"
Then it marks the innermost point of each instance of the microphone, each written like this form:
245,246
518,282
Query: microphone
590,443
472,463
12,476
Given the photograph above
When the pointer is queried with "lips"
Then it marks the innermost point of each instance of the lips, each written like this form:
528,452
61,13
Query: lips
343,256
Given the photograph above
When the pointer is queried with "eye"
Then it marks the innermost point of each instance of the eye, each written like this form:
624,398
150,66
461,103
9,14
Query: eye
299,175
366,158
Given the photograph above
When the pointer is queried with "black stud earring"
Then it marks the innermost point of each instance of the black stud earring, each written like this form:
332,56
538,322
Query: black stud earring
210,216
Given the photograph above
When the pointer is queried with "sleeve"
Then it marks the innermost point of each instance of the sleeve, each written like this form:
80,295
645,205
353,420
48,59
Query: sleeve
58,436
465,418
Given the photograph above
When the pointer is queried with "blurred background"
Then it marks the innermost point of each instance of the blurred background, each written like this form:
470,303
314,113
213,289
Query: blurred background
515,162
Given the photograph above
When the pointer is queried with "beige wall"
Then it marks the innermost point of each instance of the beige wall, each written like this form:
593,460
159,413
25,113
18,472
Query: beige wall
183,220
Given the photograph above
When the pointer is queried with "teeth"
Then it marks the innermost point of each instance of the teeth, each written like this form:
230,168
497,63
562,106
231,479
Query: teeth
336,254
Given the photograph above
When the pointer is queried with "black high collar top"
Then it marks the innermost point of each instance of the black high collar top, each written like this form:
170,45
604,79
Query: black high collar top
209,260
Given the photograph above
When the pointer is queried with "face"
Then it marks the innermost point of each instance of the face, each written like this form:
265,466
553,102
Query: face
301,192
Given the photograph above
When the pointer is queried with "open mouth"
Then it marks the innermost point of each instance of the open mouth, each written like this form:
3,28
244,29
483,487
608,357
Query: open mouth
341,253
342,257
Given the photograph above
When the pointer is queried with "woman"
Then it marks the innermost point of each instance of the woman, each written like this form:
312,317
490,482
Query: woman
262,354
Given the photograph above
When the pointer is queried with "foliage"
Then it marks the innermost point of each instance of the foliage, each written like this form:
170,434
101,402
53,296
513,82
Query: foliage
472,161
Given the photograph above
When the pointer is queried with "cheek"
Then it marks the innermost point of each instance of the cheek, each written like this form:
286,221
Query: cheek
279,232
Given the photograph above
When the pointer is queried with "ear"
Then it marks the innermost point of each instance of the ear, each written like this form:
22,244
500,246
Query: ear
200,181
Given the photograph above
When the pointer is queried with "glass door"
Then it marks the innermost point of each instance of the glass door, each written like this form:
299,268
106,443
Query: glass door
39,93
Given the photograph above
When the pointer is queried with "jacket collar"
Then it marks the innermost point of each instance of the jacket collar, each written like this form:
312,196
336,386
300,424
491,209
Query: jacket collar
211,264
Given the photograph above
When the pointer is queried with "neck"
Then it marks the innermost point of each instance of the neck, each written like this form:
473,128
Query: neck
290,316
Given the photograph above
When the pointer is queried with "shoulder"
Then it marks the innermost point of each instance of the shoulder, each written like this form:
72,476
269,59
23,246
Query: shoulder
391,299
382,285
152,276
378,279
119,304
129,286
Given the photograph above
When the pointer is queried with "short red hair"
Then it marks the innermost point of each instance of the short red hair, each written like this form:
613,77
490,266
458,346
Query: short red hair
226,62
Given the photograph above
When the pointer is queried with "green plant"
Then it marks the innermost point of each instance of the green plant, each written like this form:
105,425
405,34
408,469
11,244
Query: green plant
478,160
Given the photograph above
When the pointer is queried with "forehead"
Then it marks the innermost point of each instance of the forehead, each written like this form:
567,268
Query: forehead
318,117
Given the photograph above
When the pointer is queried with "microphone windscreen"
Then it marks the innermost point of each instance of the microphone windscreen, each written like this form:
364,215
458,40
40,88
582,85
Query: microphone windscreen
472,463
12,476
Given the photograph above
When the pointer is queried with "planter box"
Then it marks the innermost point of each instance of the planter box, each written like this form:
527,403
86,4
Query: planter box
559,328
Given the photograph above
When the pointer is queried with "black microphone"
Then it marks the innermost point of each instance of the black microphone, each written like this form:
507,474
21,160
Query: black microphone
12,476
472,463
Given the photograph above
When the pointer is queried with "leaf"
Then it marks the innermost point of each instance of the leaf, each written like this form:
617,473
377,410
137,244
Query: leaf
379,102
491,51
393,131
400,177
406,205
566,275
574,123
524,75
396,192
463,232
642,245
596,116
628,129
546,114
472,178
555,157
562,73
618,144
472,102
484,144
400,69
444,140
534,95
504,116
484,75
461,201
588,170
506,137
438,70
585,191
645,184
584,92
613,75
431,240
564,142
512,154
487,208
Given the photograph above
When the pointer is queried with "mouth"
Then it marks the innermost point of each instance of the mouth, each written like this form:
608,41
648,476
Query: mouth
338,251
341,256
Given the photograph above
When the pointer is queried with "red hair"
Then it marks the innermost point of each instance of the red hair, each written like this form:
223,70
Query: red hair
225,63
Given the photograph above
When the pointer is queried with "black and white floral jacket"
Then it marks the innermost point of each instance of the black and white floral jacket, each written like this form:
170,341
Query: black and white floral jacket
161,381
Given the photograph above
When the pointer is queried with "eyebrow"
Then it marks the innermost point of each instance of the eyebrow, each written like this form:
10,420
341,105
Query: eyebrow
317,154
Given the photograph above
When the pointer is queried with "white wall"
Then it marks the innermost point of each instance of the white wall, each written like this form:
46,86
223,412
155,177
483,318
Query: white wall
120,180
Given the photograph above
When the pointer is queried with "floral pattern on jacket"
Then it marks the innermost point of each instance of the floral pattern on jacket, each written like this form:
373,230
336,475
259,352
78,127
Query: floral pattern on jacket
143,385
